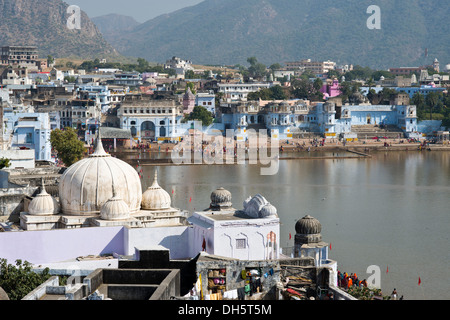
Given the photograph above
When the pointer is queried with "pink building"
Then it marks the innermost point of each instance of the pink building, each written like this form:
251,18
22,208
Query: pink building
188,101
331,90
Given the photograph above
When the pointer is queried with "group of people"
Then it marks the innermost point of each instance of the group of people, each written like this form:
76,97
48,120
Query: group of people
346,281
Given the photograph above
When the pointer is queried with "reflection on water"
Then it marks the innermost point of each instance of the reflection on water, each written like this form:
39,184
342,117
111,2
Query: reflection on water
390,210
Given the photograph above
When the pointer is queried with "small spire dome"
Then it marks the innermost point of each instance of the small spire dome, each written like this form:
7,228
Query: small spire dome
308,225
308,230
155,197
43,204
268,210
115,209
221,199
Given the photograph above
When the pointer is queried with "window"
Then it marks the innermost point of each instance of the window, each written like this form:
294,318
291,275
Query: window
241,243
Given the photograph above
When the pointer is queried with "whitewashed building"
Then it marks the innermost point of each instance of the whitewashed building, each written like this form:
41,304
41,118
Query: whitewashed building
251,233
151,119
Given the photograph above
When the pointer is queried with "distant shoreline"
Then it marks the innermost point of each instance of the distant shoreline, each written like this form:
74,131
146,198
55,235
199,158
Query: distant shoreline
290,152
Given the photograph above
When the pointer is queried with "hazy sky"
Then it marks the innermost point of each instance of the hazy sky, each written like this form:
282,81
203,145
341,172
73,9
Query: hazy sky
141,10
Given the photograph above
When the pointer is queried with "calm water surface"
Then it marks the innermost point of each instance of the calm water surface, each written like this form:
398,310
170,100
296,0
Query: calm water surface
391,211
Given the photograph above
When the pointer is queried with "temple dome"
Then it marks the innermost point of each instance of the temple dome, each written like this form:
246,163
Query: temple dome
89,183
155,197
308,225
115,209
268,211
43,204
246,202
221,198
258,207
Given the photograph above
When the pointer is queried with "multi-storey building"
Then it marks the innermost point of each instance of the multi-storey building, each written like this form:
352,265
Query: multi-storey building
316,67
21,56
240,91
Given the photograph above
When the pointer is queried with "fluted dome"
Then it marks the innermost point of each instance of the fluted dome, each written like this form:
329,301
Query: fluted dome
115,209
89,183
43,204
258,207
246,202
268,210
221,199
155,197
308,231
308,225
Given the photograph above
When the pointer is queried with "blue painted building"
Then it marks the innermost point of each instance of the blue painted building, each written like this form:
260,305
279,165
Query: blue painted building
284,119
29,131
206,100
425,89
100,94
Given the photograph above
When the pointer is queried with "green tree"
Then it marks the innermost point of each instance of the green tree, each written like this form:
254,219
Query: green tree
318,84
191,86
19,280
370,83
418,100
275,66
300,88
143,65
201,114
4,163
50,60
256,70
433,101
66,143
334,74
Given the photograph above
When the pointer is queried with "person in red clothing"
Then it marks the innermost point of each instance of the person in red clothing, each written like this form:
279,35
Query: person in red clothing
344,282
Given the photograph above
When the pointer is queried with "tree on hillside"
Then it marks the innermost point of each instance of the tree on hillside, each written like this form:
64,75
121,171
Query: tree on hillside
66,143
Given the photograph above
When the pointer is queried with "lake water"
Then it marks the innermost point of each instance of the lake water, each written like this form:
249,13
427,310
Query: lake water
391,210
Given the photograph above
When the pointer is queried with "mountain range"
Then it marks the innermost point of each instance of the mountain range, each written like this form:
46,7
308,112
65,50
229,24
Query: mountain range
230,31
227,32
43,23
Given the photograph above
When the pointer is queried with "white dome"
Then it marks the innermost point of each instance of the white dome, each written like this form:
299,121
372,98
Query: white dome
258,207
88,184
43,204
268,210
254,206
115,209
155,197
246,202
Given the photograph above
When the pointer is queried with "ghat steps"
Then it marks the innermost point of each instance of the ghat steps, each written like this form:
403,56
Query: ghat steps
371,131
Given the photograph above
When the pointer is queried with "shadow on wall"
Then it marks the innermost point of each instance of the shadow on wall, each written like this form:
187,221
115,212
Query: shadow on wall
116,245
177,244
